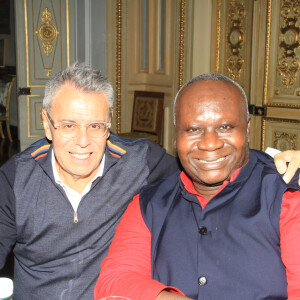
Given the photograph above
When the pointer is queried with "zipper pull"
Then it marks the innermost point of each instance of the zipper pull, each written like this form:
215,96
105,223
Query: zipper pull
75,217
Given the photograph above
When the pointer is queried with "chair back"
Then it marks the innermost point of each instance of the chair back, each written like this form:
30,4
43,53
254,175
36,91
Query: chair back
6,84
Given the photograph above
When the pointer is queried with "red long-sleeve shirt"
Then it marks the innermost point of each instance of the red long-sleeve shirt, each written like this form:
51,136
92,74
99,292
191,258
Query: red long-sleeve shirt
127,269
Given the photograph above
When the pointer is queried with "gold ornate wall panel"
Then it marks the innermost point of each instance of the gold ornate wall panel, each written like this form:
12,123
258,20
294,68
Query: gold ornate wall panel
281,126
282,86
45,44
257,44
234,40
281,134
48,36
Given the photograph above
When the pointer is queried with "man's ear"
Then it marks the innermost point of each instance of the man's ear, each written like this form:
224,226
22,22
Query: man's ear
111,113
248,132
108,134
46,125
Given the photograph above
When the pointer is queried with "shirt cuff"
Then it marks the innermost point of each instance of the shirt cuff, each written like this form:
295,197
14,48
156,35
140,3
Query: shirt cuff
272,151
173,290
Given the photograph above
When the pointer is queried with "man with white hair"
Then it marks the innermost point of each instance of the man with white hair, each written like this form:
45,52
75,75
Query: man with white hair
62,197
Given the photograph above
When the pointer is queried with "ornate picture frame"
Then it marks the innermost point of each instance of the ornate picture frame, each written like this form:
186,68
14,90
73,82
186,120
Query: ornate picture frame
147,112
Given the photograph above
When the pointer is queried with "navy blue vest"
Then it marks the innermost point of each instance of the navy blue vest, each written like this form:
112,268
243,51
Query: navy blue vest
229,250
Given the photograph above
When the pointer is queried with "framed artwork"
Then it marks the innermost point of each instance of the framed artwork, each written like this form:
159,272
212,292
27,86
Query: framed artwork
147,112
2,52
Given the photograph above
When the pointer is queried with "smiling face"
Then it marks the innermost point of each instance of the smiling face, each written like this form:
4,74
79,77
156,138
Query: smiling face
212,133
78,158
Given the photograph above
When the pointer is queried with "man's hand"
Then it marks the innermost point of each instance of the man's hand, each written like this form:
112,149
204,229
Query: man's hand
291,156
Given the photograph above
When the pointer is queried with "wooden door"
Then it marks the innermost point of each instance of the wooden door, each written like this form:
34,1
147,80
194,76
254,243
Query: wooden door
257,44
45,44
281,121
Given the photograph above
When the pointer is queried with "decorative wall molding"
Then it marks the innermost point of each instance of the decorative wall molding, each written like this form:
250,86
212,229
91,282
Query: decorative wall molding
181,43
281,134
284,141
288,62
118,65
47,33
234,40
282,64
87,31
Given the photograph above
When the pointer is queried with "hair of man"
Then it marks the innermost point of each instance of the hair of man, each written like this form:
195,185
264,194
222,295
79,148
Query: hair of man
212,77
84,78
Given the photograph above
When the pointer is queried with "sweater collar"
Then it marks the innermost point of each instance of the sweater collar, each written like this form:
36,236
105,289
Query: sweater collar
42,148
